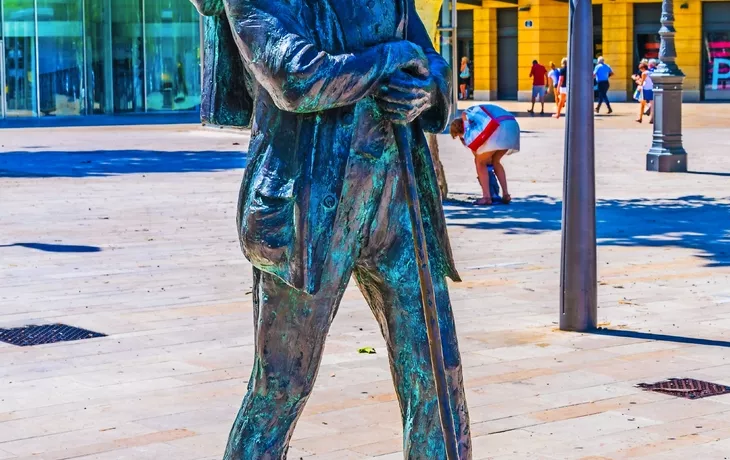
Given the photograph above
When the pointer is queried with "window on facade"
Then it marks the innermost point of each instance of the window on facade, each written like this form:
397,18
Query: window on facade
717,65
60,60
716,43
19,38
76,57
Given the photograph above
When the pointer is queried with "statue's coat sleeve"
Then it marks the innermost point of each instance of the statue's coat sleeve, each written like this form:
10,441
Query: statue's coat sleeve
300,76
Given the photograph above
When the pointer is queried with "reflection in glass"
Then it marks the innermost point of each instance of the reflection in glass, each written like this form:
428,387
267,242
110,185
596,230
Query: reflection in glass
172,31
127,56
61,45
717,65
99,57
647,47
76,57
18,23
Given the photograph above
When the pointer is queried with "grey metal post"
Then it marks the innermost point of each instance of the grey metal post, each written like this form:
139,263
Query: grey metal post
107,57
667,153
455,64
3,96
449,46
578,281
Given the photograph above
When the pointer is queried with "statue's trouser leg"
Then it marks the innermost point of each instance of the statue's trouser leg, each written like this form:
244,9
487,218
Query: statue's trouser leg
290,329
374,237
387,274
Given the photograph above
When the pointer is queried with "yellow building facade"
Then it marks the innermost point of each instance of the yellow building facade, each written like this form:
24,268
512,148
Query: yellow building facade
502,39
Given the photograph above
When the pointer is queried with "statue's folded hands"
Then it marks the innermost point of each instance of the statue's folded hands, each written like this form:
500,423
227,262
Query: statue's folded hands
405,96
303,77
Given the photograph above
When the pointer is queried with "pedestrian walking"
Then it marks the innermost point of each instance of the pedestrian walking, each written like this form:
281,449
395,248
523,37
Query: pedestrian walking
563,86
602,72
539,85
645,90
653,63
490,132
554,78
464,77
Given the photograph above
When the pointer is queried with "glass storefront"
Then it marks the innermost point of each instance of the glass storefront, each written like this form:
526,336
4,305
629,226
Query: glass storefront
716,41
717,65
83,57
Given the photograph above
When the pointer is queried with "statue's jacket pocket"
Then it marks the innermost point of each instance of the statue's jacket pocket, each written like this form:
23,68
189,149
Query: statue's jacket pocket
267,227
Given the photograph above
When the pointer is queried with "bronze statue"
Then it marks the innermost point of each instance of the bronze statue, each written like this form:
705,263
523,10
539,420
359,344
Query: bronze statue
322,199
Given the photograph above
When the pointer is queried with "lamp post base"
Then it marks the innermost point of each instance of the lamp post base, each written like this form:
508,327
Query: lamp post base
666,162
666,153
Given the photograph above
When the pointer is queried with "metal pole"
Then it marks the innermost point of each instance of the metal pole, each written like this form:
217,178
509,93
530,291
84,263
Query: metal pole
578,283
3,94
667,153
144,55
454,57
107,57
84,66
449,47
37,74
428,297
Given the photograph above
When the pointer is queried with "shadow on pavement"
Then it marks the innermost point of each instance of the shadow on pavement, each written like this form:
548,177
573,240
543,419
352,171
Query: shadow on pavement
54,247
187,117
100,163
708,173
692,222
660,337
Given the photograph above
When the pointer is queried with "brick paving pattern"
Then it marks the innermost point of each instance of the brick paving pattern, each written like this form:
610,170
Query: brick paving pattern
129,231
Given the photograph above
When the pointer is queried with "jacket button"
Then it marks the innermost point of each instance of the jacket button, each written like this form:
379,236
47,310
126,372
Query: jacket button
329,201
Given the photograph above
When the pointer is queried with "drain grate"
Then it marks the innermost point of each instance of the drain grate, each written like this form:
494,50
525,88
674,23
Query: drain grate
50,333
686,388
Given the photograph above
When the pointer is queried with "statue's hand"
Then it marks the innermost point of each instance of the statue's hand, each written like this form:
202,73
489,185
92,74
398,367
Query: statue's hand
404,96
410,57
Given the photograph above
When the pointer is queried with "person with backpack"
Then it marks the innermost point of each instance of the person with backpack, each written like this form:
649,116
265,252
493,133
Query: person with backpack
563,86
490,132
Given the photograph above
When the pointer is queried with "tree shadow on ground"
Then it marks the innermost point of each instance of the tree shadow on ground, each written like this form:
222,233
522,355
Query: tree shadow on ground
101,163
692,222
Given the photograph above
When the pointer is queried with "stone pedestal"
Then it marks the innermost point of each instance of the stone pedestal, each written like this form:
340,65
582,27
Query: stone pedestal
666,153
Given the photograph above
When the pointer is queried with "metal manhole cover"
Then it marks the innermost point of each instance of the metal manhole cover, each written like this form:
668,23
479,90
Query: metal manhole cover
686,388
49,333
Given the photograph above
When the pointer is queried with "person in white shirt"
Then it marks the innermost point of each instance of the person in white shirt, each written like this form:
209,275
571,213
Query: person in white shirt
645,85
554,78
490,132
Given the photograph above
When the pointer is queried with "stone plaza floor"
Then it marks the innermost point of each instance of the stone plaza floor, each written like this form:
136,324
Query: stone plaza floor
129,231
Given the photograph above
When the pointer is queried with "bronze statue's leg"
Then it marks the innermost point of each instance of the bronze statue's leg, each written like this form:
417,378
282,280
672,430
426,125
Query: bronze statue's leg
290,329
388,277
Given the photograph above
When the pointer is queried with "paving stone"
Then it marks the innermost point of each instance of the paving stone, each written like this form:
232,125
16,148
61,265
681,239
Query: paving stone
170,287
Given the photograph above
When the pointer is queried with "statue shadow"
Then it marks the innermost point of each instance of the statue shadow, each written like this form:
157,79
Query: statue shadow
101,163
696,222
46,247
660,337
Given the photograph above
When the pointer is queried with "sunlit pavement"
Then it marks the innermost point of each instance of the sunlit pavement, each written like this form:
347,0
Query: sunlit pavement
129,231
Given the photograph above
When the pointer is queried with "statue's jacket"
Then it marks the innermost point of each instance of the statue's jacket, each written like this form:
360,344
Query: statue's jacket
314,65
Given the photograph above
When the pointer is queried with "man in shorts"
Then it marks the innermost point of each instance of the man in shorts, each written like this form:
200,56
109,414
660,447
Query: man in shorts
539,85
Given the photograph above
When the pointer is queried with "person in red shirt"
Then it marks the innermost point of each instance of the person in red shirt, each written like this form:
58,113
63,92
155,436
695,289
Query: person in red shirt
539,85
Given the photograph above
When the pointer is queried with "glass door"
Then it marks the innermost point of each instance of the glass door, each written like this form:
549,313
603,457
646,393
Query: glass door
61,56
172,41
19,40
